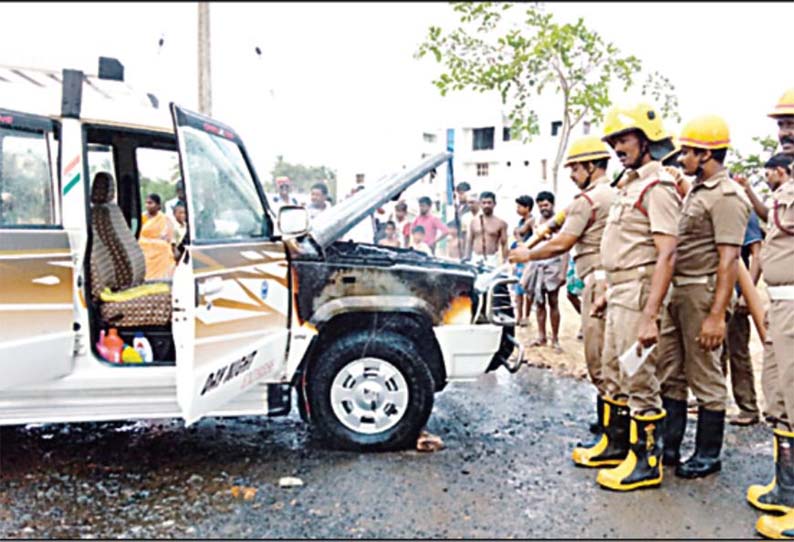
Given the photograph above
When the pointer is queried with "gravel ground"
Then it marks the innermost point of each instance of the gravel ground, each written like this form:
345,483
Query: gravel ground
506,472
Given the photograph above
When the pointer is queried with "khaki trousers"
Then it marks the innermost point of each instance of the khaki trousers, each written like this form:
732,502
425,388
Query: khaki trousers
736,360
682,361
778,372
625,302
593,332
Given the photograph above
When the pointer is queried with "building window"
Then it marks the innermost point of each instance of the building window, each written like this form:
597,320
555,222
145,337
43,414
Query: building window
586,127
555,127
543,169
482,169
429,138
506,133
482,139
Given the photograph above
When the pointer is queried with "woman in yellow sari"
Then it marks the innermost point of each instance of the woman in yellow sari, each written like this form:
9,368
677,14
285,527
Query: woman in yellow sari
157,236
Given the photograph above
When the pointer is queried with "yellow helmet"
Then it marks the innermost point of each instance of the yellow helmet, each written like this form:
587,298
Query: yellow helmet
642,117
706,132
586,149
784,106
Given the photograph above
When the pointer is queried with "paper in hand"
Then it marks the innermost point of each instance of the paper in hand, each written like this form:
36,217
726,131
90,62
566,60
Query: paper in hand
631,361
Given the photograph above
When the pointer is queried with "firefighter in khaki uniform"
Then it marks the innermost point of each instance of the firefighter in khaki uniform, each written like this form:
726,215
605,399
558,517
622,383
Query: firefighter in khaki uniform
710,235
777,262
584,225
638,253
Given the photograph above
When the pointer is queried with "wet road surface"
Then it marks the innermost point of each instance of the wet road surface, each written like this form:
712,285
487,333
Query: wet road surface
506,472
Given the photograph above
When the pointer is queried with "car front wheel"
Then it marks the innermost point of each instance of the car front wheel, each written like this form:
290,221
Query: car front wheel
370,392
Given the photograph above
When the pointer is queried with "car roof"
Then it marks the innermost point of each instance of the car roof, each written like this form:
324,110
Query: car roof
39,92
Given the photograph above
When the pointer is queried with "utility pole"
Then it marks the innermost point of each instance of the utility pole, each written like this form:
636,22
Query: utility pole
204,75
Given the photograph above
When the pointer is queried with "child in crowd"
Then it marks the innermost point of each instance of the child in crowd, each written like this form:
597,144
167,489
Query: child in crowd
180,227
390,238
418,240
454,244
522,308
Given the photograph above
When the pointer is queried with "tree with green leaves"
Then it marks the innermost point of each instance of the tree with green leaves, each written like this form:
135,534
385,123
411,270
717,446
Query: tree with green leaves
491,51
301,176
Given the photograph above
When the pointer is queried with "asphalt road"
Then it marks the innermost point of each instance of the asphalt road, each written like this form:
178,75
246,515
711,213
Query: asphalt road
506,472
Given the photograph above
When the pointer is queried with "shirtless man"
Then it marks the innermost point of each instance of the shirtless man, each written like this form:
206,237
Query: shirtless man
487,234
543,278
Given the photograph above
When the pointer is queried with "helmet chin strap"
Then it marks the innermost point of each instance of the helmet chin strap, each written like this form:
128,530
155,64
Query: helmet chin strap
699,171
589,178
644,149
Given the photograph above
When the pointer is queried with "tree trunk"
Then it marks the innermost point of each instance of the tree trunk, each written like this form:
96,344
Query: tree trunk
565,134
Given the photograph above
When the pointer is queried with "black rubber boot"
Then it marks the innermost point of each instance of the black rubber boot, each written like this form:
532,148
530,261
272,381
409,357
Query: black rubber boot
674,429
613,444
708,445
596,428
778,495
642,467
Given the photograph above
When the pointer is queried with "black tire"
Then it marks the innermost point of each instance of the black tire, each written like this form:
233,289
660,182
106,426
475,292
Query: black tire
399,352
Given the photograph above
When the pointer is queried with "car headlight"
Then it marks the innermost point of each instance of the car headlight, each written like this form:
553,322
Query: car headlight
459,312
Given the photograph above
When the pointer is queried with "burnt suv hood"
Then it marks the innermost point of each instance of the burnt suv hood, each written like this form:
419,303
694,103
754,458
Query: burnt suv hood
369,254
331,224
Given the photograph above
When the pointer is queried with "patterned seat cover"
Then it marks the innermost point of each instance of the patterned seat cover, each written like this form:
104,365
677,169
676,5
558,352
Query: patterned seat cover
117,263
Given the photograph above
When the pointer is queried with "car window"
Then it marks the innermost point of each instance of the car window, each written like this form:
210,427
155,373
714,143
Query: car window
26,188
100,158
158,173
224,201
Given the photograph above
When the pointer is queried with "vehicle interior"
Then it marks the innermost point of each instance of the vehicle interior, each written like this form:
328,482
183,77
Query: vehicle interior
125,167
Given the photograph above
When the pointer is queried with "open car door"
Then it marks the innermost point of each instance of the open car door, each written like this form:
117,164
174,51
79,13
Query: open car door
36,266
230,288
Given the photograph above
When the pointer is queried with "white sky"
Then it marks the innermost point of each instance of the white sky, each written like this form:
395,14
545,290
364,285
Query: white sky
347,91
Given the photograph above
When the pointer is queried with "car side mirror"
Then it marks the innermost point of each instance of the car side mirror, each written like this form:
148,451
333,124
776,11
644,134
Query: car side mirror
293,220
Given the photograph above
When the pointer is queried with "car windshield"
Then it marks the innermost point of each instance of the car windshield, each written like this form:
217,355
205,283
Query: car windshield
223,195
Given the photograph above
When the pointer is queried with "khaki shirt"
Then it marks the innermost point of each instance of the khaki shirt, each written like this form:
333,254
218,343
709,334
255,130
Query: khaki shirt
715,212
777,254
586,221
628,237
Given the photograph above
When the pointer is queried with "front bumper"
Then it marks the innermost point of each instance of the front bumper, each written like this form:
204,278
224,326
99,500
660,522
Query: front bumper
496,308
468,349
472,350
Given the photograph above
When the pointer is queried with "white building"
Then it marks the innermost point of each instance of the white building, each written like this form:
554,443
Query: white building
489,159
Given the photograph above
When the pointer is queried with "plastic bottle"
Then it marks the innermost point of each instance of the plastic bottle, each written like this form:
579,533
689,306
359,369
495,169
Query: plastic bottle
101,348
142,346
130,355
114,344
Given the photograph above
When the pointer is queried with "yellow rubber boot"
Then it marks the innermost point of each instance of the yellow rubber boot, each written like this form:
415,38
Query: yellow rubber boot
613,445
778,527
777,495
642,467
